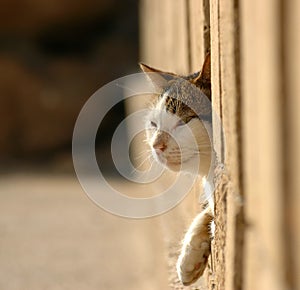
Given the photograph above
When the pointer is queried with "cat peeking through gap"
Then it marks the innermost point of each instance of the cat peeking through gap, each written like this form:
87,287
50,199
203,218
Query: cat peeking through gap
182,106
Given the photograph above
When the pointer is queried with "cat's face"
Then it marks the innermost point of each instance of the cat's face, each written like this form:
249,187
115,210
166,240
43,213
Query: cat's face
175,143
176,135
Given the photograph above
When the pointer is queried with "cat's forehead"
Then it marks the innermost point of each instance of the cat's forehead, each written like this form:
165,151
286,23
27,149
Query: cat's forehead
175,99
159,114
184,99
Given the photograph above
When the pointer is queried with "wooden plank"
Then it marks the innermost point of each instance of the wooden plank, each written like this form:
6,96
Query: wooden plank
291,74
226,103
218,245
230,101
262,139
199,28
215,72
164,35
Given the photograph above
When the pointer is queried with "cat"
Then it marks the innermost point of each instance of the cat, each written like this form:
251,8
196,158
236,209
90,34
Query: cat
184,105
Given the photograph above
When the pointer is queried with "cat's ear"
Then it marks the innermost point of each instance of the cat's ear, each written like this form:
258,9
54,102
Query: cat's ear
203,79
206,69
158,78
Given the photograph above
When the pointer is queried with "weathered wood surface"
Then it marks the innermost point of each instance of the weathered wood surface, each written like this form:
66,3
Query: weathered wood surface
227,250
268,140
255,48
291,71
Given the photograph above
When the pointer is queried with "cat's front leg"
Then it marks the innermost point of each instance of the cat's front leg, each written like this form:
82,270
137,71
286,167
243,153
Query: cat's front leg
195,249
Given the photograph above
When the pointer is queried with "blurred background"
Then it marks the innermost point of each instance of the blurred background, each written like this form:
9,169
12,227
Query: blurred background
54,54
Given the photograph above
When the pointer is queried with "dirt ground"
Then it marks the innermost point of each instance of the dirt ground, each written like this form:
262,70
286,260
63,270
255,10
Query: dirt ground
53,237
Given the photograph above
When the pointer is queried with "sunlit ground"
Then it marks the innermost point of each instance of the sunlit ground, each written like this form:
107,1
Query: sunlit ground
53,237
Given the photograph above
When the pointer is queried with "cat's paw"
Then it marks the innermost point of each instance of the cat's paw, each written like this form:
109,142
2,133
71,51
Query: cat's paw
196,248
193,260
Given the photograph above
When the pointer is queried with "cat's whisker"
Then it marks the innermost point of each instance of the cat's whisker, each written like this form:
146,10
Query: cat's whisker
145,141
151,165
141,164
141,154
145,172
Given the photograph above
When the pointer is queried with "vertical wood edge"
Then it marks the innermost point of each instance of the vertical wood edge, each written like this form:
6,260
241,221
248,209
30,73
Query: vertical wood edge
291,104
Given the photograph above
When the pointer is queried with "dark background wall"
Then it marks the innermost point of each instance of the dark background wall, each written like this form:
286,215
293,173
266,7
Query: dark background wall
53,55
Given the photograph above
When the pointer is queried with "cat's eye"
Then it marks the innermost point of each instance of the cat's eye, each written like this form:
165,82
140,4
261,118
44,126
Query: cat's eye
180,123
153,124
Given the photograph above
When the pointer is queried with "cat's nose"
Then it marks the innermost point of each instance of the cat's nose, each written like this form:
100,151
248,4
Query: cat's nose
159,147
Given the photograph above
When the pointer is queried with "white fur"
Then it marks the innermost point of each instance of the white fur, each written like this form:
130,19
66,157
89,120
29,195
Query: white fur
195,249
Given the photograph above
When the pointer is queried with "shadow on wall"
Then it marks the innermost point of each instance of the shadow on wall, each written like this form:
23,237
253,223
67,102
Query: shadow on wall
53,56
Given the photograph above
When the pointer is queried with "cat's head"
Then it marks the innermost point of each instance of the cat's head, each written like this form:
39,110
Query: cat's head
178,121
